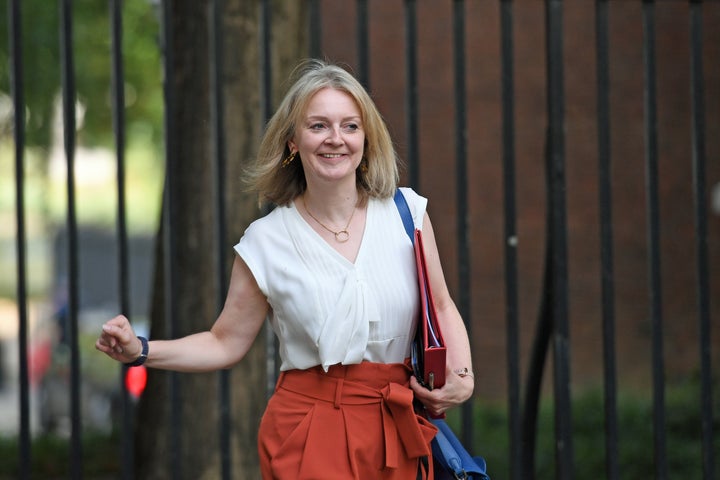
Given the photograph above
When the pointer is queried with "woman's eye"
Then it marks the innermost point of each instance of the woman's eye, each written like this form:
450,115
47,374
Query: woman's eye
317,126
352,127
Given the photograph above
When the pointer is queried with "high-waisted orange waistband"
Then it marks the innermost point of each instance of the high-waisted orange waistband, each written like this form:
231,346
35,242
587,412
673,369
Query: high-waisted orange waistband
350,384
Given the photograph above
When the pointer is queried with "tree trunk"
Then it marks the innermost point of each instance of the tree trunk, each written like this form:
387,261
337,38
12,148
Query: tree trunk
188,446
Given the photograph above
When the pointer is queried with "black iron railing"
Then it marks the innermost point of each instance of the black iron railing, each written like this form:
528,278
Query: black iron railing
552,330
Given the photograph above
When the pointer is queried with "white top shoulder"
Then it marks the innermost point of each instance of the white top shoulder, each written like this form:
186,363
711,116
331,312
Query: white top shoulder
325,309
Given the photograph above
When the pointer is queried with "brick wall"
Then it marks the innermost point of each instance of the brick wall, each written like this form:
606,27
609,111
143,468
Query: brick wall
437,160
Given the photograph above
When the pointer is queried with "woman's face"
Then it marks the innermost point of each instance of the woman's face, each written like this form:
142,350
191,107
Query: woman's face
330,137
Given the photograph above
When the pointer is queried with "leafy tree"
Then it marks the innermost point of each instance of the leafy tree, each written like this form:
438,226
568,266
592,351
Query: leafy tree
92,68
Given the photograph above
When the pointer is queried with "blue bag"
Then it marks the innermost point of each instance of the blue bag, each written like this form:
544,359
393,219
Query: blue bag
451,460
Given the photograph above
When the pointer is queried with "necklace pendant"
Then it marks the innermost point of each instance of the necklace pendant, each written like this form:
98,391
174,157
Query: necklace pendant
342,236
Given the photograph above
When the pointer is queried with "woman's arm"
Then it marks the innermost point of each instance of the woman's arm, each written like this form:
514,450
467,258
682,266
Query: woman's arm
225,344
457,389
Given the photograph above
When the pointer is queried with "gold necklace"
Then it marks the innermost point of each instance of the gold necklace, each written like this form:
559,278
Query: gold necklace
341,236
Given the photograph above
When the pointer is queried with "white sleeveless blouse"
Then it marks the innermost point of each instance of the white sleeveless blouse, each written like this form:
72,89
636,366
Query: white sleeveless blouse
325,309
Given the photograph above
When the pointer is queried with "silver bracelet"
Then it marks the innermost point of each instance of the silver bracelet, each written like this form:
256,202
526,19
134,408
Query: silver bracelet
464,372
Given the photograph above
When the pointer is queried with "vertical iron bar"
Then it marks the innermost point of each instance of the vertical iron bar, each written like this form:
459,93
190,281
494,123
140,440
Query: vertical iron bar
118,113
463,220
315,27
217,120
69,125
168,228
558,232
606,236
18,94
701,247
411,93
266,106
538,357
510,237
265,60
653,237
271,342
363,43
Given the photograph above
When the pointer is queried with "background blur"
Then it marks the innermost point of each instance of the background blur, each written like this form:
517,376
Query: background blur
434,166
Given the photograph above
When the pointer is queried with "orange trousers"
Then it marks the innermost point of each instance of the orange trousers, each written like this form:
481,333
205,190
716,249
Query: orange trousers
354,422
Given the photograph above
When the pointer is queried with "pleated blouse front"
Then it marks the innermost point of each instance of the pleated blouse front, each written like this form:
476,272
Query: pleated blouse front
327,310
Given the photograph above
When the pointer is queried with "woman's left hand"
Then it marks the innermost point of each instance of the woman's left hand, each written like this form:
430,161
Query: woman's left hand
456,390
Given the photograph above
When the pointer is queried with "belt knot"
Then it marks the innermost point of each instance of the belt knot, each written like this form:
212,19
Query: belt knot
399,419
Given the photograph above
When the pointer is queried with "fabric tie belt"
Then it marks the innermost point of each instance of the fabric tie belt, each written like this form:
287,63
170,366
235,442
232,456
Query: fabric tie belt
398,415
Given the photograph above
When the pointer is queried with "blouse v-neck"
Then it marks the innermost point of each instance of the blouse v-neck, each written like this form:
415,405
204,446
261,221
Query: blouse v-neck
325,244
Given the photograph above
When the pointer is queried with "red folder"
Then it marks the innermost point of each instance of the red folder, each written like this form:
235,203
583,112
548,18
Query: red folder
430,351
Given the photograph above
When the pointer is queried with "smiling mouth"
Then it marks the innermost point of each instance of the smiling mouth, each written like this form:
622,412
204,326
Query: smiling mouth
331,155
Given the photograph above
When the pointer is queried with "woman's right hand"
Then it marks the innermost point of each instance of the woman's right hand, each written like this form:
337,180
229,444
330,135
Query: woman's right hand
118,340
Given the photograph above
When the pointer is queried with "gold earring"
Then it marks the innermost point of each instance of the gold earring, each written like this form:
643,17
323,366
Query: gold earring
364,165
288,160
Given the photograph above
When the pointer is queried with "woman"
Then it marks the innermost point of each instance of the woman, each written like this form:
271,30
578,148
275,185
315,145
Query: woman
332,269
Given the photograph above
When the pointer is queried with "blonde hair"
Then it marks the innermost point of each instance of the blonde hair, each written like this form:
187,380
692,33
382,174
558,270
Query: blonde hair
377,175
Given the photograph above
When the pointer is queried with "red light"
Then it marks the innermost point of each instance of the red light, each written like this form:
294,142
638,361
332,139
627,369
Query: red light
136,380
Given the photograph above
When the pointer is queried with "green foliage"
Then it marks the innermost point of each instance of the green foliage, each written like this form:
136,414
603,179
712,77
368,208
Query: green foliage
635,418
91,54
50,457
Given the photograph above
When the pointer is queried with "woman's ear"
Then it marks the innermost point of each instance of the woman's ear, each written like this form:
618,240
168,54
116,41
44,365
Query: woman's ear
291,146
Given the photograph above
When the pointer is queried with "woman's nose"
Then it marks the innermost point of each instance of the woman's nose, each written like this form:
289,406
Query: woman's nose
334,136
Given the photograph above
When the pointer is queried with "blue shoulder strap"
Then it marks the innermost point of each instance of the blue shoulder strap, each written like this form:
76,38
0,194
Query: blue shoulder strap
405,214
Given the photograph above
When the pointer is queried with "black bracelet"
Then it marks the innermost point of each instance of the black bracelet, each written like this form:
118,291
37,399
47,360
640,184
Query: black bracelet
143,355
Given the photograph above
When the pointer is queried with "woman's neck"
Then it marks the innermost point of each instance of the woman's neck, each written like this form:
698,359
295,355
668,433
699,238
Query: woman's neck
334,206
